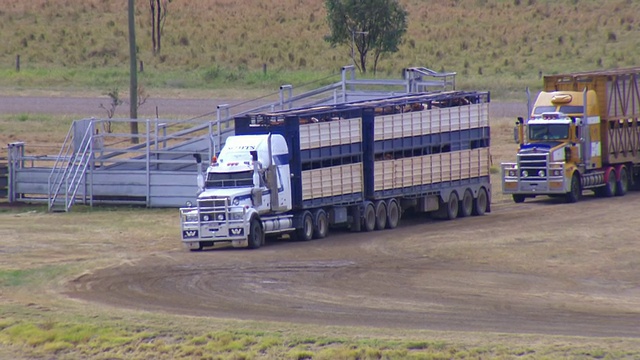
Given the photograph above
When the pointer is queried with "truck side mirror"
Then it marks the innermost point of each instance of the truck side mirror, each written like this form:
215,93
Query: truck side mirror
518,131
200,181
198,158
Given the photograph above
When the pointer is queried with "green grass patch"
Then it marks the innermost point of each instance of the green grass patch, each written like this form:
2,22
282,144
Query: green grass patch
25,277
108,336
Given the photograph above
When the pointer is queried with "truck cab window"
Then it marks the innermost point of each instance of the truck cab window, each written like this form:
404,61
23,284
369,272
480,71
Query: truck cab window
549,132
225,180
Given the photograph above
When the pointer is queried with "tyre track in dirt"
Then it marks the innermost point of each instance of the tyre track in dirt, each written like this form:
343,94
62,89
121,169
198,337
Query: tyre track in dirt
394,279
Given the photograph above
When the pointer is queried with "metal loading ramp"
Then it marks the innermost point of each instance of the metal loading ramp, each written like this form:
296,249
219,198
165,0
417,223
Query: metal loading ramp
100,162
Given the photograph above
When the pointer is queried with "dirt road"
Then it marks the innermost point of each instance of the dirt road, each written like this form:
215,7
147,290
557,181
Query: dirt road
542,267
86,107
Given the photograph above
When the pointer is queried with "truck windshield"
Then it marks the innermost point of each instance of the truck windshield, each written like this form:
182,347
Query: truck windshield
548,131
225,180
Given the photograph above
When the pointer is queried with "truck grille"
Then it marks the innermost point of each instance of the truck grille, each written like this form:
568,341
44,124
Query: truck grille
532,164
213,209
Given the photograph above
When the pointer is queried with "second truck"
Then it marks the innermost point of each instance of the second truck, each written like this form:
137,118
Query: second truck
582,134
359,165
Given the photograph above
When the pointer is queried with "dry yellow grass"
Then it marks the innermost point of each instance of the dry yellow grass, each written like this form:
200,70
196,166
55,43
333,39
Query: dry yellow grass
487,41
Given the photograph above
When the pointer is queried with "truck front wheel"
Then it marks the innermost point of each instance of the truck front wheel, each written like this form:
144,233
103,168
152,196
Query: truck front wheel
517,198
256,235
576,190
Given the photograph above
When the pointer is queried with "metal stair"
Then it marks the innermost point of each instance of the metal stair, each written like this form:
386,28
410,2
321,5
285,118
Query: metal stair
99,167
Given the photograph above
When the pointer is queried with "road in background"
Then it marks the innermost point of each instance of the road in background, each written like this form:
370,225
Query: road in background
85,107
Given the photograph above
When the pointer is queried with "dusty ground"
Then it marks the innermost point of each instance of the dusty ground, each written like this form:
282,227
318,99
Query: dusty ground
540,267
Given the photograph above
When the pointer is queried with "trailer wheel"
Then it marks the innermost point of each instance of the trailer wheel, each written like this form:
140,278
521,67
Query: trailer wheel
322,225
517,198
622,186
306,232
609,188
369,217
256,235
466,204
480,203
381,215
452,206
393,214
576,190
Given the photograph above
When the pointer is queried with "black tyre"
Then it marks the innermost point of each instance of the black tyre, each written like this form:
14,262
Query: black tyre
306,232
517,198
480,203
622,185
381,215
576,190
452,206
369,217
322,225
609,189
393,214
256,234
466,204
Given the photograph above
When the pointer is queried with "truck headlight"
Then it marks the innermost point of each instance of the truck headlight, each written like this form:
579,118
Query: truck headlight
191,218
525,173
556,172
236,215
541,173
220,217
236,201
512,173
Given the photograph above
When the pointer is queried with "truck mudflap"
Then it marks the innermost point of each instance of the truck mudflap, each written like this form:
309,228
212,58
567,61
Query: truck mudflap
546,180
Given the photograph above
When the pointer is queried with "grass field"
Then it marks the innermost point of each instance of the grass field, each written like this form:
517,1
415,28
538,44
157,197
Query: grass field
501,46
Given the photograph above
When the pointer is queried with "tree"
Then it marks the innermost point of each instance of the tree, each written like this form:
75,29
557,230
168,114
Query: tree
114,96
375,26
158,16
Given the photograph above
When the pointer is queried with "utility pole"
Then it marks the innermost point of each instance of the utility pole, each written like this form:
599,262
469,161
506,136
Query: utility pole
133,73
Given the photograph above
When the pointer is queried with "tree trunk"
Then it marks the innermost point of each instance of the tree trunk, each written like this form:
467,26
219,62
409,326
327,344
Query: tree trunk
153,25
158,20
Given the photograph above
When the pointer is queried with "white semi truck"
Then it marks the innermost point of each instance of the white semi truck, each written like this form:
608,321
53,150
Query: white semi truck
361,165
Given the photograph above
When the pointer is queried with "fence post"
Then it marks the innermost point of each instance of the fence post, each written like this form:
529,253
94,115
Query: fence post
4,177
148,169
18,63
